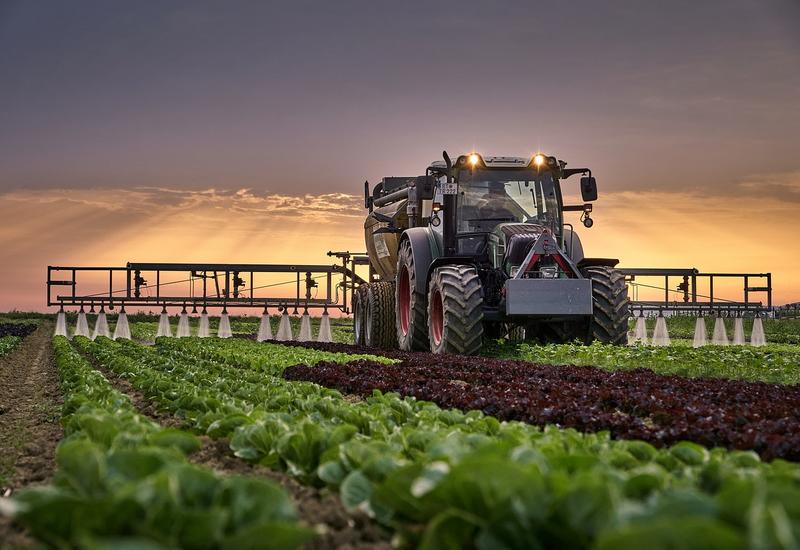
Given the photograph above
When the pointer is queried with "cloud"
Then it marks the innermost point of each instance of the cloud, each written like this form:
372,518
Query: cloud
113,226
751,229
784,186
166,201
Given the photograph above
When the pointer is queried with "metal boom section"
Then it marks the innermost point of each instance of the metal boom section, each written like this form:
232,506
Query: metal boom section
221,285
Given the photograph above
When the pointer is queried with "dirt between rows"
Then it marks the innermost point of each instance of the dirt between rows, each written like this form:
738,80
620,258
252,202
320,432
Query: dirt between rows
319,508
30,428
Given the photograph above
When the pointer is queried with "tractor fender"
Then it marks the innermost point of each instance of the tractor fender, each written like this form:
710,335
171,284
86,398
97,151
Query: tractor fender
604,262
573,245
426,246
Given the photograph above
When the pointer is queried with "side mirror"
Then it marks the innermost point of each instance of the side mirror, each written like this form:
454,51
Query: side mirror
588,188
367,197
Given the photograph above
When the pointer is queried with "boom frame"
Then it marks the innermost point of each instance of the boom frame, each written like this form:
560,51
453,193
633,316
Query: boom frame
226,282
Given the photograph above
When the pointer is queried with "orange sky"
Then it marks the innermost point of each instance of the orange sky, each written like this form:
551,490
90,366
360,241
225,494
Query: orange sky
687,113
749,230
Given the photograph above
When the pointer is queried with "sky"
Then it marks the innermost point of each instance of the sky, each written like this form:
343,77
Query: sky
243,131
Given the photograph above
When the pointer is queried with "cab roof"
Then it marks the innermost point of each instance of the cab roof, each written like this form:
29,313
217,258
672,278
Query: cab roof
492,162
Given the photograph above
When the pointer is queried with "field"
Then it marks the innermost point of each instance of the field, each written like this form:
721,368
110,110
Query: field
205,443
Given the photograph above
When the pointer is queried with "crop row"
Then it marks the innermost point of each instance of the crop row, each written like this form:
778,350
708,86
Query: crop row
342,330
446,478
7,343
779,364
775,364
20,330
635,404
122,479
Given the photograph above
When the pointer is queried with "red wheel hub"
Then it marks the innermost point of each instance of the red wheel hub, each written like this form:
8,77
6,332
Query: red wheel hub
437,317
404,295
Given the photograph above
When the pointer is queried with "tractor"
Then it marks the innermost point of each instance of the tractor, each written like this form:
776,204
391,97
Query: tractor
478,249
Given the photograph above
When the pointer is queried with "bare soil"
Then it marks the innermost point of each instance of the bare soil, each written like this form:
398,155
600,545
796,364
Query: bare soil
30,412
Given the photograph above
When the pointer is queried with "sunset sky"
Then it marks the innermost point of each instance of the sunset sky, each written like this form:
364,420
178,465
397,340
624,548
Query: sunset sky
243,131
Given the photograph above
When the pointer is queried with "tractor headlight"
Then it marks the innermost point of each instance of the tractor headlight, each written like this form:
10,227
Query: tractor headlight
538,160
474,159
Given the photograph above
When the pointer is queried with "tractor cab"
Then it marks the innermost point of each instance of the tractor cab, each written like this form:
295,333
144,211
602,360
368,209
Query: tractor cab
487,198
501,203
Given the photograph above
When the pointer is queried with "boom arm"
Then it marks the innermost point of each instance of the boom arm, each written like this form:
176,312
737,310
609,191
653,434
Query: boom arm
232,285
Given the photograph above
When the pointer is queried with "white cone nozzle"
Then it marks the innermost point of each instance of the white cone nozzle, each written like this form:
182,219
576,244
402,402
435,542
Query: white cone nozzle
101,326
264,329
738,332
123,329
640,333
82,328
224,330
757,337
163,326
183,326
720,337
700,338
202,329
61,324
325,329
305,329
660,334
284,329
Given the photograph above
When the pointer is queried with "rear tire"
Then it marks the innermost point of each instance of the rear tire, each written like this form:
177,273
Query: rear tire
359,313
455,310
379,319
609,322
411,321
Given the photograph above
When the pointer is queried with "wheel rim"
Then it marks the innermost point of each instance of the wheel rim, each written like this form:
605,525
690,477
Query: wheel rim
404,295
437,317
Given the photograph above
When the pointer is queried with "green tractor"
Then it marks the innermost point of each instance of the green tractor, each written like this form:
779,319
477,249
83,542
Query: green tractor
478,248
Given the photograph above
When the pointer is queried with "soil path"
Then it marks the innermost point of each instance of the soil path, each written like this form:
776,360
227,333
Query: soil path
30,428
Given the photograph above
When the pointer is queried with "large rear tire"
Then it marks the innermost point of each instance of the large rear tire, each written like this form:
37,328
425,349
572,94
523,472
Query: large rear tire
379,319
411,323
609,322
359,306
455,310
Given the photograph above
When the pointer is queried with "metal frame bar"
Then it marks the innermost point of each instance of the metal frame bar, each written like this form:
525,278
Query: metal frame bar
688,286
229,297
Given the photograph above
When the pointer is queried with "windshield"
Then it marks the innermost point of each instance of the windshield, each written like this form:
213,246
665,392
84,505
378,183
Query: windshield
489,197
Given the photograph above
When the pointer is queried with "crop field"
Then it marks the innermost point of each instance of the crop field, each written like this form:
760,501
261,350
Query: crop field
12,333
209,443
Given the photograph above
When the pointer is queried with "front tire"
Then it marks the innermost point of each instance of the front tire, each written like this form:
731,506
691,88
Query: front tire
455,310
411,323
609,322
